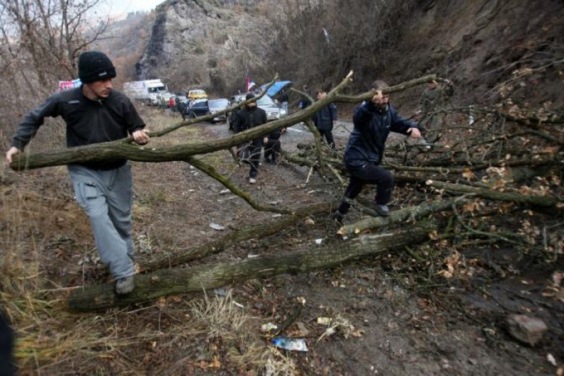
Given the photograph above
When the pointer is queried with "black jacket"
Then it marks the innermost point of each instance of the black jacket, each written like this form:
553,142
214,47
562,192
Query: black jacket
323,119
88,122
371,129
249,117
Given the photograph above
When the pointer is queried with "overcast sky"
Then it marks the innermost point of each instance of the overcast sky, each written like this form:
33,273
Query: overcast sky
122,7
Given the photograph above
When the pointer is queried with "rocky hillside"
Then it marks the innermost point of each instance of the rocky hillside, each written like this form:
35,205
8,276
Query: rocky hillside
491,49
207,43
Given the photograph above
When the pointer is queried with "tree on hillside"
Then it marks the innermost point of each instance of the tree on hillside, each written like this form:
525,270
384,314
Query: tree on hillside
40,45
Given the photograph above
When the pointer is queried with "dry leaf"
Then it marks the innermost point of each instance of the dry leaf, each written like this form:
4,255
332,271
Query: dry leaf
468,174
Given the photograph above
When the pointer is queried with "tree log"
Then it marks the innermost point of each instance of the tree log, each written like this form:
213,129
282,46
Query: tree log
542,201
182,280
124,149
398,216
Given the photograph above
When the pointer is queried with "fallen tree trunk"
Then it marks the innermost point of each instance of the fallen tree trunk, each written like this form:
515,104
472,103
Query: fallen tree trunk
397,216
182,281
542,201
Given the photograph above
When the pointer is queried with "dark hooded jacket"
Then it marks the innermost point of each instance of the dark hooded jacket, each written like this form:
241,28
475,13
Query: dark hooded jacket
249,117
372,125
323,119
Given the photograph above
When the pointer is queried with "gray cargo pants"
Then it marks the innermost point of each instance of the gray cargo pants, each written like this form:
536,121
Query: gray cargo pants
106,197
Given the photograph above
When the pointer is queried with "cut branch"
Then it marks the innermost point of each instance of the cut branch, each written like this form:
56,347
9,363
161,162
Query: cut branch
542,201
124,149
403,215
212,172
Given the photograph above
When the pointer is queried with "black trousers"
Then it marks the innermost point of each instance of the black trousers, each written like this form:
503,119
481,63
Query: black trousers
254,159
368,174
272,150
328,136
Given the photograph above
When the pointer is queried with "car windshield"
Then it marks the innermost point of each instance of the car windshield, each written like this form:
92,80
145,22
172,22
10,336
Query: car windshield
201,104
265,101
218,103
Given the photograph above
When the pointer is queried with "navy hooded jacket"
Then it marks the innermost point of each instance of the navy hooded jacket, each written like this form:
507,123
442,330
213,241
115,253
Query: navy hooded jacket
372,125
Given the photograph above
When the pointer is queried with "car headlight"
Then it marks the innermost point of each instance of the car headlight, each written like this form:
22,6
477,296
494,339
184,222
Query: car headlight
283,112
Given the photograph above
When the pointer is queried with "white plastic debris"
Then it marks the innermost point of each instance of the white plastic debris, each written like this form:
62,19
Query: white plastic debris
268,327
217,227
292,344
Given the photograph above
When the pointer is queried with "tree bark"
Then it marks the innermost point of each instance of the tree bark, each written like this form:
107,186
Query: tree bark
398,216
124,149
542,201
182,280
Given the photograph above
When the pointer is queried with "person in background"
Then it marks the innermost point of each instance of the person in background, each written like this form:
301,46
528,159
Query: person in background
181,107
248,117
284,98
373,121
272,147
325,119
94,113
7,367
432,102
304,102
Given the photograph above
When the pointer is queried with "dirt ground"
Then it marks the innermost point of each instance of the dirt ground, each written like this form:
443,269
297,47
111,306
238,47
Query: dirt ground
391,315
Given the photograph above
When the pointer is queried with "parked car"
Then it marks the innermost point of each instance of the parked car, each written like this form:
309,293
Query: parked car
217,105
277,89
196,94
197,108
273,111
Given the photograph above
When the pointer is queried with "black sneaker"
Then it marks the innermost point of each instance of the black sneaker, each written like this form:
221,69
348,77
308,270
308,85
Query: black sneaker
337,216
383,210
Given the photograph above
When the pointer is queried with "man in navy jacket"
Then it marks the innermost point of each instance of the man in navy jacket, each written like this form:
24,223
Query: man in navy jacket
373,121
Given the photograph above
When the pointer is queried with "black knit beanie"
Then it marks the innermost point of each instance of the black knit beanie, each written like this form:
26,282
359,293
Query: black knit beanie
95,66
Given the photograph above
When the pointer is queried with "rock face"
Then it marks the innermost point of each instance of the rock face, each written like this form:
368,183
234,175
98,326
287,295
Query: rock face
207,43
492,50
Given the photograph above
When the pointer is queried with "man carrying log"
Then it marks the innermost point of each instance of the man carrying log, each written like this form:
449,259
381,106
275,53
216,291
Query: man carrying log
95,113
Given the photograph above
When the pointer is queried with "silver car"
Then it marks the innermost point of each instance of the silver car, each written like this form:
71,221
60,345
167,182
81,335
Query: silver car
273,111
217,105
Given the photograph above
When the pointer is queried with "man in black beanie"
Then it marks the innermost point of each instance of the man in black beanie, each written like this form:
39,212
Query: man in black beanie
95,113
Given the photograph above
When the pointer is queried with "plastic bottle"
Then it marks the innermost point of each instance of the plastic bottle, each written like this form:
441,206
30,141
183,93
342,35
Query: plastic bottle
292,344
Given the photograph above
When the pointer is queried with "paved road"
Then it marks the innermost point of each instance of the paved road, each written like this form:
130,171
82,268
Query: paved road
299,133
